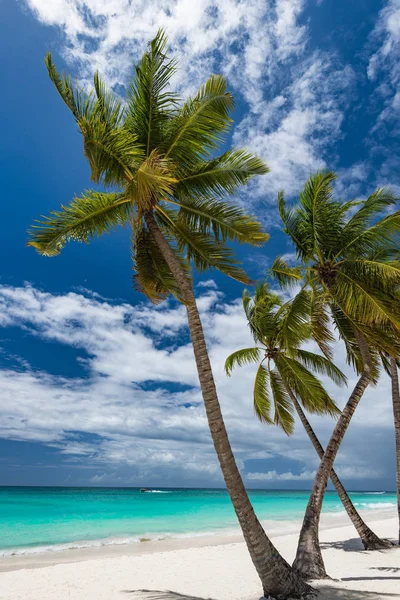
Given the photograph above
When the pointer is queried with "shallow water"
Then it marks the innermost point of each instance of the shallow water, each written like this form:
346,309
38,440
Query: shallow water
37,519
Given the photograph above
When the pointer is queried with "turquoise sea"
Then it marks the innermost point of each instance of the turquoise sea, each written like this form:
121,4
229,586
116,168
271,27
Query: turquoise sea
43,519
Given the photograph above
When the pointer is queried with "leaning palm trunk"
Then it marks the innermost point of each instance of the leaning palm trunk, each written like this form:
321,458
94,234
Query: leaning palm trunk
278,578
396,412
309,562
369,539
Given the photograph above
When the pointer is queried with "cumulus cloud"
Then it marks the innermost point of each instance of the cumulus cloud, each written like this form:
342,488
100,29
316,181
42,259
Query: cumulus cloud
139,405
288,476
109,36
386,59
295,96
295,130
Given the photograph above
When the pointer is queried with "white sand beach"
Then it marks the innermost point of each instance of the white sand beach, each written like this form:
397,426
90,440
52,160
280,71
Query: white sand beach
216,568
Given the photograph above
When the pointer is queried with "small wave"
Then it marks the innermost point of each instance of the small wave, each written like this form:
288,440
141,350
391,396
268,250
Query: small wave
158,492
375,504
80,545
375,493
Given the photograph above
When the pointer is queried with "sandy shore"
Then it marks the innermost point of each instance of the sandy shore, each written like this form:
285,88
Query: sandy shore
215,568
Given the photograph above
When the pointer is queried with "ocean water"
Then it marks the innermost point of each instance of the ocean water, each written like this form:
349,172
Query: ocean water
50,519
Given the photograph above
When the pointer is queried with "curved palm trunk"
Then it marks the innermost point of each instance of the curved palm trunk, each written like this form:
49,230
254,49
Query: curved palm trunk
369,539
309,561
394,374
278,578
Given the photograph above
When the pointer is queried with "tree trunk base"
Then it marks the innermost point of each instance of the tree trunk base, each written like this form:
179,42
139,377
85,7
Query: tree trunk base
311,594
373,542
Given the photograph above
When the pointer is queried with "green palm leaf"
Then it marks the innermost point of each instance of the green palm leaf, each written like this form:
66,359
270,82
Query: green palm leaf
223,220
359,232
261,396
150,103
89,215
285,275
109,107
362,301
346,330
200,124
319,321
242,357
220,176
284,411
294,325
78,100
321,365
305,385
203,250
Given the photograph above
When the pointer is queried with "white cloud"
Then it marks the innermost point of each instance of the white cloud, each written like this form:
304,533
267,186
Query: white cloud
112,417
386,60
296,96
349,472
109,36
294,131
288,476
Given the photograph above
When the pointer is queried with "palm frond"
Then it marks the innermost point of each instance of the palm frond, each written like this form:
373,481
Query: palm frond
150,102
305,385
294,321
378,235
321,217
345,329
109,107
319,321
203,250
113,154
242,357
261,396
285,275
283,406
362,302
200,124
112,151
79,101
261,313
224,220
291,219
87,216
320,364
355,229
221,176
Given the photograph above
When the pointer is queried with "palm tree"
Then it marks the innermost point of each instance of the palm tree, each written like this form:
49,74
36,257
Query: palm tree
155,154
335,243
391,365
394,376
280,330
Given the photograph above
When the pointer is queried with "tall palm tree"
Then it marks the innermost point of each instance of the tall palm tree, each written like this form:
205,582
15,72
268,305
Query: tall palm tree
335,243
280,330
391,365
394,377
155,154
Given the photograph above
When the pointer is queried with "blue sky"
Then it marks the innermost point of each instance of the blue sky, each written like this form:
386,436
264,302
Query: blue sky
98,387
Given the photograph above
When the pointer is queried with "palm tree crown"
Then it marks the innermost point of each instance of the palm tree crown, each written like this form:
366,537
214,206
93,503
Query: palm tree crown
284,367
155,155
349,263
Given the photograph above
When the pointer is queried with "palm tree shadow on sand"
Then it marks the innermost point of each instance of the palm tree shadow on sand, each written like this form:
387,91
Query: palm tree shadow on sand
324,592
162,595
352,545
328,592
